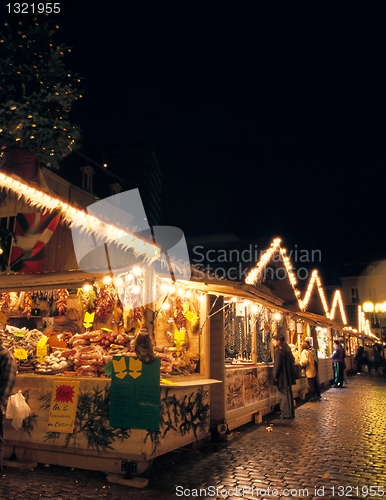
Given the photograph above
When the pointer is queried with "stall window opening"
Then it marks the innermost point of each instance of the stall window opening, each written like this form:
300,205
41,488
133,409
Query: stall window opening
237,331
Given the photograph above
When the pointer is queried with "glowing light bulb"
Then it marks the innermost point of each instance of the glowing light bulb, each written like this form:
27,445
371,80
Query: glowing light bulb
107,280
137,271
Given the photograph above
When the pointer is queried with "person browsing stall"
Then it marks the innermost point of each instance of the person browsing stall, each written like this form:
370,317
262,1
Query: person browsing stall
315,354
284,376
337,358
308,361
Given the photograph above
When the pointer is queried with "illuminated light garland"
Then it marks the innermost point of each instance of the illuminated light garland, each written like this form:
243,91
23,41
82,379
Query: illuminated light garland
364,324
314,279
75,217
338,300
361,319
256,273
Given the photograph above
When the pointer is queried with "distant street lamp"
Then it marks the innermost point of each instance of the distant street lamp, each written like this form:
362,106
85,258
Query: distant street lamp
371,307
377,308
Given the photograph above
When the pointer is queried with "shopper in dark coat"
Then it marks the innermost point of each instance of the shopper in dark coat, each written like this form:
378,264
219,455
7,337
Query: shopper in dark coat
359,358
8,370
284,376
337,358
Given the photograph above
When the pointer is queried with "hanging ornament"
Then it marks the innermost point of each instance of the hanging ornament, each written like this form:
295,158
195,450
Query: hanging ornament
28,304
61,302
179,318
86,298
15,125
5,301
138,317
105,301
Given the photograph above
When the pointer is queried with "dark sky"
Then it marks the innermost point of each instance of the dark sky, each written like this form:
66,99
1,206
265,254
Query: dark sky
267,118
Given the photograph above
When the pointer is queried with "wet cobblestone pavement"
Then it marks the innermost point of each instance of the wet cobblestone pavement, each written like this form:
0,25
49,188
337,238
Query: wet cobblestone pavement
335,448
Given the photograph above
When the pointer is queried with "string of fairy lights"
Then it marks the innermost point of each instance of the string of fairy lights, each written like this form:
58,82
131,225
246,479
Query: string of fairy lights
256,274
73,216
91,223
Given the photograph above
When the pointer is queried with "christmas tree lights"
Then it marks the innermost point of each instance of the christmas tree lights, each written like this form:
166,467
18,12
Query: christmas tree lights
37,93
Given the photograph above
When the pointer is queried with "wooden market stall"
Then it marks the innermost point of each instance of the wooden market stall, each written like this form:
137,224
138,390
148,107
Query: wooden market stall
244,316
198,350
242,323
76,358
113,363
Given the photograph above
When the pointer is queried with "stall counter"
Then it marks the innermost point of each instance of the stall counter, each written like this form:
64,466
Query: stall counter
249,393
93,444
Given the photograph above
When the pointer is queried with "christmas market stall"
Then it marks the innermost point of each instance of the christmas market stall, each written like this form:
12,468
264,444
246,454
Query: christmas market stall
243,318
313,318
242,323
324,324
113,362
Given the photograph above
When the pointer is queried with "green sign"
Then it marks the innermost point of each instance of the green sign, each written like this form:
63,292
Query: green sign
135,393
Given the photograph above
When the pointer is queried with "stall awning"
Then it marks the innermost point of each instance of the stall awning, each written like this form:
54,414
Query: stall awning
19,282
320,320
235,289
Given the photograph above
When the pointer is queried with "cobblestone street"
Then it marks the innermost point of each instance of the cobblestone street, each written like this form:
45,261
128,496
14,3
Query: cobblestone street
334,448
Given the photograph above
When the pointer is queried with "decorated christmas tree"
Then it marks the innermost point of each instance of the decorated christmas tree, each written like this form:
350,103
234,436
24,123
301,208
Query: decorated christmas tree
37,93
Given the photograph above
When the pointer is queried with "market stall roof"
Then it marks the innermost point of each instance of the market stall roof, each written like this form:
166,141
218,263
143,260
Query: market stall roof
237,289
102,227
19,282
318,319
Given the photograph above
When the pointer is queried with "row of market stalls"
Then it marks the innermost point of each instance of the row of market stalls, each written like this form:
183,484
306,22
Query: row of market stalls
122,364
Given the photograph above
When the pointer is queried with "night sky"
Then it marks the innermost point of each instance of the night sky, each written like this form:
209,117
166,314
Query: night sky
267,118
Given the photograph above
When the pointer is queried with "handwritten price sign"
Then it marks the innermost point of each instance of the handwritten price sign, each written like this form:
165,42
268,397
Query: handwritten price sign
63,406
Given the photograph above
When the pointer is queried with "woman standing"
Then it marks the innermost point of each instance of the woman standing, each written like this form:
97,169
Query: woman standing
308,361
284,376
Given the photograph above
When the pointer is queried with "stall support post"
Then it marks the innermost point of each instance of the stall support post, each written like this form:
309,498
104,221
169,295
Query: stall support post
149,297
